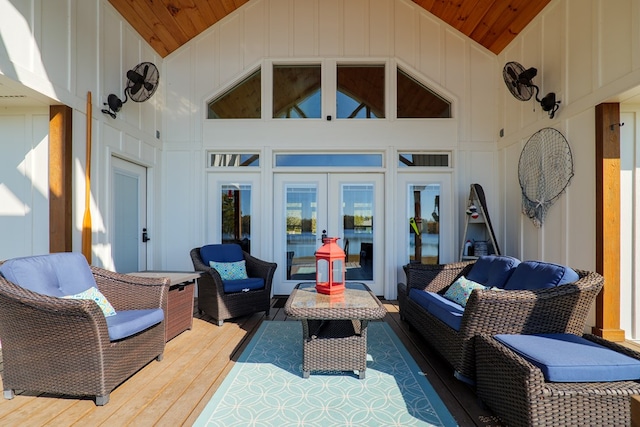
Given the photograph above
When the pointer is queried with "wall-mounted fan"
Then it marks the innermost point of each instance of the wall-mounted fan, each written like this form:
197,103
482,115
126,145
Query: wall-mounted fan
519,81
142,82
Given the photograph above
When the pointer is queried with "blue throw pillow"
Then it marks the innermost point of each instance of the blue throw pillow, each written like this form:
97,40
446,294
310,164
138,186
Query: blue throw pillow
530,275
230,270
460,290
493,270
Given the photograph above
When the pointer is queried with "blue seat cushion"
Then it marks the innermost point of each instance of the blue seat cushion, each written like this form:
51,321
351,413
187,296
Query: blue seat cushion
530,275
129,322
243,285
226,252
56,275
571,358
445,310
493,270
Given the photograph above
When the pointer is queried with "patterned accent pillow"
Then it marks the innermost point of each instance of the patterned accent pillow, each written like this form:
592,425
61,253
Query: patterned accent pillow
230,270
460,290
94,294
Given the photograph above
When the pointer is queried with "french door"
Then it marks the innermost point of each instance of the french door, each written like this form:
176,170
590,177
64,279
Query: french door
347,206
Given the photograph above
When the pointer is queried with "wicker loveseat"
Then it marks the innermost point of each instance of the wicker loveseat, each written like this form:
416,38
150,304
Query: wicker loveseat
57,345
556,309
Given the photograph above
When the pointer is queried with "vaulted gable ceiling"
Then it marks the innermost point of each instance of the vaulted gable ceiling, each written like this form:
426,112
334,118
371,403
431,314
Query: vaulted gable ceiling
168,24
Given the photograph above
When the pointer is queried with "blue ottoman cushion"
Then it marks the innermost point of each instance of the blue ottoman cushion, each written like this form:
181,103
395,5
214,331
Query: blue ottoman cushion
530,275
571,358
493,270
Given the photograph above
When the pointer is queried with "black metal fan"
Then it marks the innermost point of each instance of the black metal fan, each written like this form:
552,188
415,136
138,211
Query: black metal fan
520,87
141,85
519,81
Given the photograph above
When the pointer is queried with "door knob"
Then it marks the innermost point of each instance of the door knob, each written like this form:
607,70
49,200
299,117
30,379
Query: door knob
145,236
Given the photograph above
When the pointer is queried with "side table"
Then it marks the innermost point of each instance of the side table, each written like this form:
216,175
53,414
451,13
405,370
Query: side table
179,300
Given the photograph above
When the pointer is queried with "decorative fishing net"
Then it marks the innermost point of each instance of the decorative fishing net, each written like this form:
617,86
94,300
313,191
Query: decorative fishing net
545,169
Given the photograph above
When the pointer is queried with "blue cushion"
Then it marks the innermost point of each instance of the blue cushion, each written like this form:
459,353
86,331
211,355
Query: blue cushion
128,322
445,310
252,283
56,275
530,275
226,252
570,358
493,270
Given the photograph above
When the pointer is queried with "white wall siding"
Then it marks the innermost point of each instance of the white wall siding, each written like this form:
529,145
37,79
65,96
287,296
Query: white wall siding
24,195
585,52
64,49
328,32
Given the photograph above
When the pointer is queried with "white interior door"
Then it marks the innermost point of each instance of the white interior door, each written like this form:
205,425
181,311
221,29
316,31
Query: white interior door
129,216
347,206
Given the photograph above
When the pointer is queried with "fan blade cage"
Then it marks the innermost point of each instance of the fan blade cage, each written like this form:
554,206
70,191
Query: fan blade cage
143,81
511,73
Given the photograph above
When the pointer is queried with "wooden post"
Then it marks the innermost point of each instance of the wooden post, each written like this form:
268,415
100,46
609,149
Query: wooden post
60,188
86,220
608,221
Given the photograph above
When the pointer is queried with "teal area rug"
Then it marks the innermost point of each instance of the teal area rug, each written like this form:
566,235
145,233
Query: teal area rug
266,388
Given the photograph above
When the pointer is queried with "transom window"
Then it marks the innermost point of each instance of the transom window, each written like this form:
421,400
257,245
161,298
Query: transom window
242,101
360,94
296,91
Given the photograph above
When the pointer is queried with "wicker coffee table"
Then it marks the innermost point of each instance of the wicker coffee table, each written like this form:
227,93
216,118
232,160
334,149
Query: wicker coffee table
334,328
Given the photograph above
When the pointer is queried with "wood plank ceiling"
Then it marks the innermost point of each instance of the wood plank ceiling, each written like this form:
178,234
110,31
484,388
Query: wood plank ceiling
168,24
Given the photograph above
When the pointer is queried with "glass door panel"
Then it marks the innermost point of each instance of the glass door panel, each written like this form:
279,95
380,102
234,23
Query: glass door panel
235,211
357,220
301,213
426,229
356,217
424,223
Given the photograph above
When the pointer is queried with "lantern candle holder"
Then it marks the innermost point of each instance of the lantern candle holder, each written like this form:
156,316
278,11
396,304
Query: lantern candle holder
330,267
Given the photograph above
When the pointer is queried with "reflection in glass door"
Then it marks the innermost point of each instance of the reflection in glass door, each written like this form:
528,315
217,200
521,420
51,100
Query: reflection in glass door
357,219
424,223
235,211
301,213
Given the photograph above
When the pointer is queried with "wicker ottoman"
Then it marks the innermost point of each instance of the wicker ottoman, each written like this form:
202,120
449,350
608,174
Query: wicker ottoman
517,392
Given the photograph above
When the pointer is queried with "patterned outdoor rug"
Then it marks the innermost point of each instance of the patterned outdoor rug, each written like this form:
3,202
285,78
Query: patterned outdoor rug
266,388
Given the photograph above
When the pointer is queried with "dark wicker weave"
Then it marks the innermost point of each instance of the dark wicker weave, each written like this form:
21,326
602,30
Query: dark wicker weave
222,306
61,346
516,391
560,309
334,334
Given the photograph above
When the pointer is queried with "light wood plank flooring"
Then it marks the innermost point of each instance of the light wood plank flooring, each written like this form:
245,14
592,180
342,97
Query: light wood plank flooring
174,392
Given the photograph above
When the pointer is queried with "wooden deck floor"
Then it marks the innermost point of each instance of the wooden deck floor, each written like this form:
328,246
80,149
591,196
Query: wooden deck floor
174,392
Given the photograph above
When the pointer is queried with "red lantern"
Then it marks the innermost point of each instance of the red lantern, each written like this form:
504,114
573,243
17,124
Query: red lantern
330,267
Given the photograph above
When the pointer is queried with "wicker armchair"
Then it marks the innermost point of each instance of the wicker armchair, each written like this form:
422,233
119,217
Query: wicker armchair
62,346
554,310
221,305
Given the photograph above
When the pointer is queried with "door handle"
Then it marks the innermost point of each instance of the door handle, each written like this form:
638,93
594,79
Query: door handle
145,236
